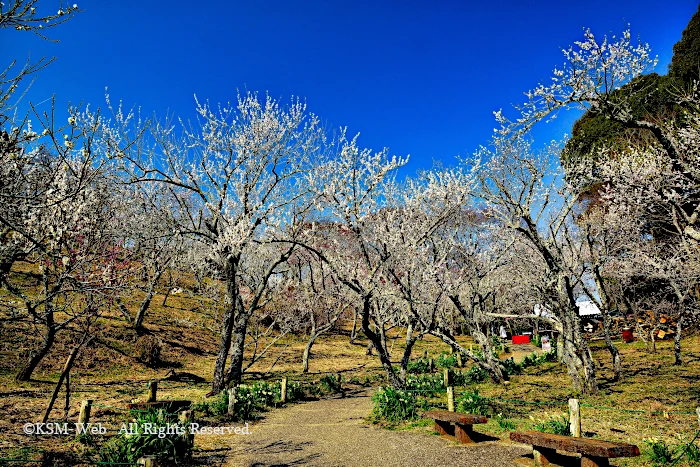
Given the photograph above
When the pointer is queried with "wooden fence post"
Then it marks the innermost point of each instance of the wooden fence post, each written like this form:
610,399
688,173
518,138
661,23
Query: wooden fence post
186,418
430,365
283,390
148,461
84,417
459,359
446,380
450,398
425,354
698,412
574,418
231,400
153,387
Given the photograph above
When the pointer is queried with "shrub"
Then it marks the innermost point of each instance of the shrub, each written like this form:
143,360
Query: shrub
295,391
473,403
153,433
475,374
148,349
446,361
266,394
424,383
330,383
691,451
394,405
505,424
658,452
511,367
418,367
537,340
557,425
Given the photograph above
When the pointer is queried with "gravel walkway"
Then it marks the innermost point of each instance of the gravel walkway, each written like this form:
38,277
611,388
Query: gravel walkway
331,433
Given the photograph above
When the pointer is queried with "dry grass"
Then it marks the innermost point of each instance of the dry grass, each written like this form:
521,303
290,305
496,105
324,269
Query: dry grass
109,373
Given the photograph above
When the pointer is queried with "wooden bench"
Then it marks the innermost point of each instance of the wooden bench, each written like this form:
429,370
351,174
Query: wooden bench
594,453
462,429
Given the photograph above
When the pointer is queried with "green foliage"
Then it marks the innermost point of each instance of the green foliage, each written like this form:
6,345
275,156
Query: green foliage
475,374
686,53
691,451
534,359
505,424
446,361
424,383
330,384
417,367
537,340
153,433
394,405
658,452
473,403
557,425
511,367
499,345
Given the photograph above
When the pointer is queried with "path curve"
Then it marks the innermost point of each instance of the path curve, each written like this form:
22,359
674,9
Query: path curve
331,433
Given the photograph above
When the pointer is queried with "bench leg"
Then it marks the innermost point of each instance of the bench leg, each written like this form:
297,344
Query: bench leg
463,433
444,428
594,461
543,456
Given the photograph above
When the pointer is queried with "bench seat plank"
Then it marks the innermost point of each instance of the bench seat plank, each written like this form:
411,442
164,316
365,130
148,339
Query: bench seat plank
584,446
455,417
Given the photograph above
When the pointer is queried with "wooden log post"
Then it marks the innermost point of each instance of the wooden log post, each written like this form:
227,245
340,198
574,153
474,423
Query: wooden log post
231,401
84,417
153,391
148,461
283,390
431,366
450,398
186,418
446,377
698,412
574,418
459,360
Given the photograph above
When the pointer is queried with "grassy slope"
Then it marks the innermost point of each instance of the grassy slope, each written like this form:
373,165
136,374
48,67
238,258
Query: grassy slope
109,373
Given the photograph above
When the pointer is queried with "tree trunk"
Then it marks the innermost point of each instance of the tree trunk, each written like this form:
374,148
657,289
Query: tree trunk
235,372
677,342
410,341
36,357
376,341
353,333
307,352
219,379
64,375
617,361
138,323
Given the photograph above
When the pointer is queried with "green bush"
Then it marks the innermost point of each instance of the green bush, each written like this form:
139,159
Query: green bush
266,394
505,424
152,433
424,383
475,374
537,340
557,425
446,361
330,384
511,367
658,452
473,403
394,405
418,367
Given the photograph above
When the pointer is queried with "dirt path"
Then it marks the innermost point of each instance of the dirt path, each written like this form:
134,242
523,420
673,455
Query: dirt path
331,433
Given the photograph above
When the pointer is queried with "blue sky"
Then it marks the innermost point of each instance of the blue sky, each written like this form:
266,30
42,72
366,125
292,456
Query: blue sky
421,78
